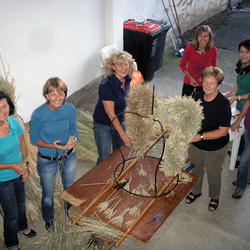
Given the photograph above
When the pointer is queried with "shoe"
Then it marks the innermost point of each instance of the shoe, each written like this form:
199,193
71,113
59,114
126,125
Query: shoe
93,242
229,152
237,164
234,183
49,225
213,205
238,193
189,199
31,234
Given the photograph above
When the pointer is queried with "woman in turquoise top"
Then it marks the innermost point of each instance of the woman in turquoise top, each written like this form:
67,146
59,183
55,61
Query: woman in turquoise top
12,175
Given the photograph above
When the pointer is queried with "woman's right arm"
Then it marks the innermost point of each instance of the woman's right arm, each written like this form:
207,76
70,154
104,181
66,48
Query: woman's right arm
14,166
192,80
231,92
109,107
183,66
236,124
53,145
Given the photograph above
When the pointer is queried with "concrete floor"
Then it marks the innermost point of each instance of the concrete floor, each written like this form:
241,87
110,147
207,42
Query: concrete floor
193,226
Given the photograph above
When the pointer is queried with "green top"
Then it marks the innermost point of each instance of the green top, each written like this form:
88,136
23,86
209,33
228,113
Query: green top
243,82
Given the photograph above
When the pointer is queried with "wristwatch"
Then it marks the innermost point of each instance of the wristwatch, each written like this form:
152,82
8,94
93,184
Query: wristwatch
201,136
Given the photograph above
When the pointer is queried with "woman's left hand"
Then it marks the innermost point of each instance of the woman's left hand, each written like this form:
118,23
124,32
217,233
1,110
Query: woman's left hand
196,138
126,140
71,144
233,99
26,176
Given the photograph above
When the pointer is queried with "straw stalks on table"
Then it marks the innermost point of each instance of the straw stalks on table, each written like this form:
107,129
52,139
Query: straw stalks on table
142,172
118,220
135,211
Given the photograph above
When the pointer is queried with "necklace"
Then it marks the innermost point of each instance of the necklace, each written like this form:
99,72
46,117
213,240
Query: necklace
202,52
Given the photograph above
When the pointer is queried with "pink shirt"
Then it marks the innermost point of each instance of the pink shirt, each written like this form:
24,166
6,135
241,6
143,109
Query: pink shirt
195,63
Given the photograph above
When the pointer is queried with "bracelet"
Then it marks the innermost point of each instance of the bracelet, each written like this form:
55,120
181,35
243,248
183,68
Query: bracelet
239,97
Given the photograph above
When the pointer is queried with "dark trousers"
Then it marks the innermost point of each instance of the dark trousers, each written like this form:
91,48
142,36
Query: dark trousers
12,199
189,90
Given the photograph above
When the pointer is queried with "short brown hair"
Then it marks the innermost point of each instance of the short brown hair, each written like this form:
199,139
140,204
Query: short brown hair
54,83
213,71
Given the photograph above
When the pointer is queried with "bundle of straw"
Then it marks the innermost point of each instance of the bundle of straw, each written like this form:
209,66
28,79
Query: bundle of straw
185,115
86,147
141,110
181,115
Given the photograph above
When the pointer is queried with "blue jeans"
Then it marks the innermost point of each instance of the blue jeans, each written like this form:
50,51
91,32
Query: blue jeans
104,140
243,175
12,199
47,171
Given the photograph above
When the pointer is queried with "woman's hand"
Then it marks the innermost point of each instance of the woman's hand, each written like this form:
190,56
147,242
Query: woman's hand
56,145
233,99
193,82
26,176
196,138
126,140
71,144
19,169
235,126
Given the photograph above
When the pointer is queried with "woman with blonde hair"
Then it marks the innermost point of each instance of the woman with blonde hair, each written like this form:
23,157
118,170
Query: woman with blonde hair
197,56
118,72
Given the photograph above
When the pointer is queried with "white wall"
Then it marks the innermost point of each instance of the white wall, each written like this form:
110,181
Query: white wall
46,38
42,39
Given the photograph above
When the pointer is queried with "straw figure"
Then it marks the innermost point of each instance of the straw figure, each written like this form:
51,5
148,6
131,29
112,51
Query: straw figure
181,116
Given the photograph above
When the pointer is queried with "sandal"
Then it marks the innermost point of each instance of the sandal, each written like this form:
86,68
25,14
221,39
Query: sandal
213,205
189,199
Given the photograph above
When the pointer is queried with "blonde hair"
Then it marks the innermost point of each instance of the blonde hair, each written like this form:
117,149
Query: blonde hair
199,30
117,58
55,83
213,71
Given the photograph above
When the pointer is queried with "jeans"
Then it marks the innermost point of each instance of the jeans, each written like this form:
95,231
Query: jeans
47,171
12,199
243,175
104,140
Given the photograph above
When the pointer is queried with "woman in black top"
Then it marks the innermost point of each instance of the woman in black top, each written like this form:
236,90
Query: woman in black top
210,144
